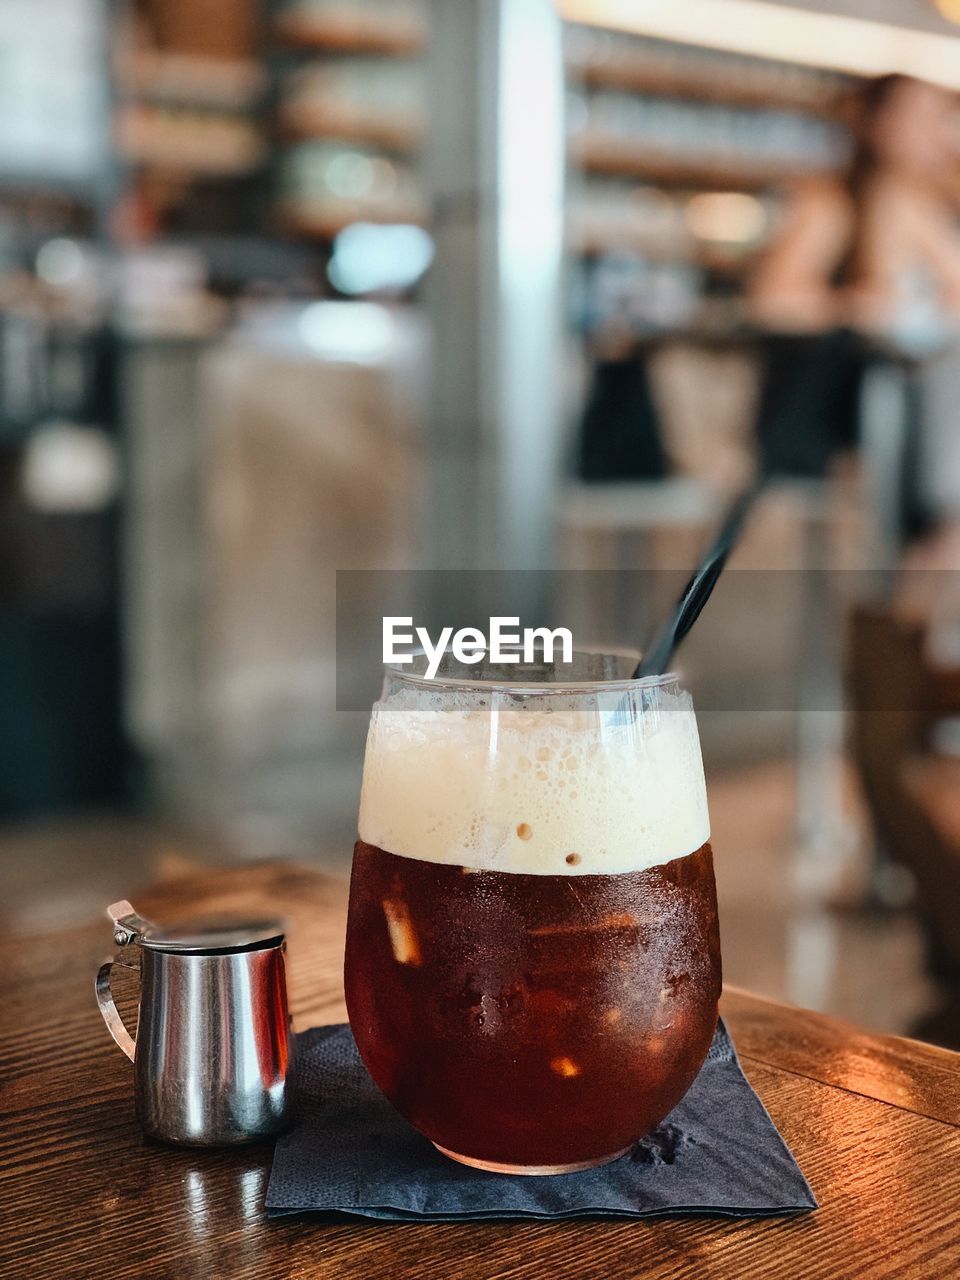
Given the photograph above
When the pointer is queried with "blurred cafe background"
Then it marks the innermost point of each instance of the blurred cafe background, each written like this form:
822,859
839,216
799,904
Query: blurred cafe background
289,287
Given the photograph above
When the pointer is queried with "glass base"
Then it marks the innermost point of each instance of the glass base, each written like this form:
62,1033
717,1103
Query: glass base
530,1170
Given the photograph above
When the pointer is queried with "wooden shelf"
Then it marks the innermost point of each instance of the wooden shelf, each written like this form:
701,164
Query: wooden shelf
644,78
324,225
188,142
176,154
335,35
175,162
616,159
188,81
731,262
307,124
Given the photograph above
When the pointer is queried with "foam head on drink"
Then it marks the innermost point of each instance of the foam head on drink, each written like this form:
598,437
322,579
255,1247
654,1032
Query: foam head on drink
533,959
521,790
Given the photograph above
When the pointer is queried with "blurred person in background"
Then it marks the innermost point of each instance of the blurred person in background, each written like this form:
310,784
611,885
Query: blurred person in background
875,252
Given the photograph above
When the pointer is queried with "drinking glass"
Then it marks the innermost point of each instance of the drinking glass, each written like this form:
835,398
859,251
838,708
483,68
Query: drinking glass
533,959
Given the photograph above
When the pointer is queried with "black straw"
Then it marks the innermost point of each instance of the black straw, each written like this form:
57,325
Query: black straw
657,657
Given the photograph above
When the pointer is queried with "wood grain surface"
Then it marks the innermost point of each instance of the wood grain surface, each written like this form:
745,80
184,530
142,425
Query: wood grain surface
873,1120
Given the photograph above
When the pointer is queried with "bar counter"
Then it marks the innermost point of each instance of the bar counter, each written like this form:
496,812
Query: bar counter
874,1122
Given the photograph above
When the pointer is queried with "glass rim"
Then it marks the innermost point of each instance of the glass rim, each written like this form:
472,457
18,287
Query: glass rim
543,688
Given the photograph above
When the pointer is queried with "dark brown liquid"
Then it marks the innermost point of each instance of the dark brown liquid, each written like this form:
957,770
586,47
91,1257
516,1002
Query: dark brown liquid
532,1020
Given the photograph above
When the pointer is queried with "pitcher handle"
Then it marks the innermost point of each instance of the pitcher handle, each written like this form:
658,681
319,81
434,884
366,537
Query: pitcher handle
110,1012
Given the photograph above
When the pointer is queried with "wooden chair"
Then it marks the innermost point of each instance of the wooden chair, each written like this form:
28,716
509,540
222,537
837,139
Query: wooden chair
896,698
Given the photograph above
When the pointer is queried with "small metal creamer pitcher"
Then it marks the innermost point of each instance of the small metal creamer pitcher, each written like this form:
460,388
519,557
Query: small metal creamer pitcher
213,1051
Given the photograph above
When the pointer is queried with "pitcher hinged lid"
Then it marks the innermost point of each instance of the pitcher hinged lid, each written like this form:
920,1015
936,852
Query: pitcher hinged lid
210,936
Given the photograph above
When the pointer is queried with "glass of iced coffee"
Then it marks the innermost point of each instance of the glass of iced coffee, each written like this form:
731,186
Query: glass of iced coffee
533,959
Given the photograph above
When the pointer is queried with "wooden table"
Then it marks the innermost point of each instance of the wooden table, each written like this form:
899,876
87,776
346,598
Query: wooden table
873,1121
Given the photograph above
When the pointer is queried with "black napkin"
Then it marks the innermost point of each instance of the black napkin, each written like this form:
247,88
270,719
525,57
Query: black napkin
718,1152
